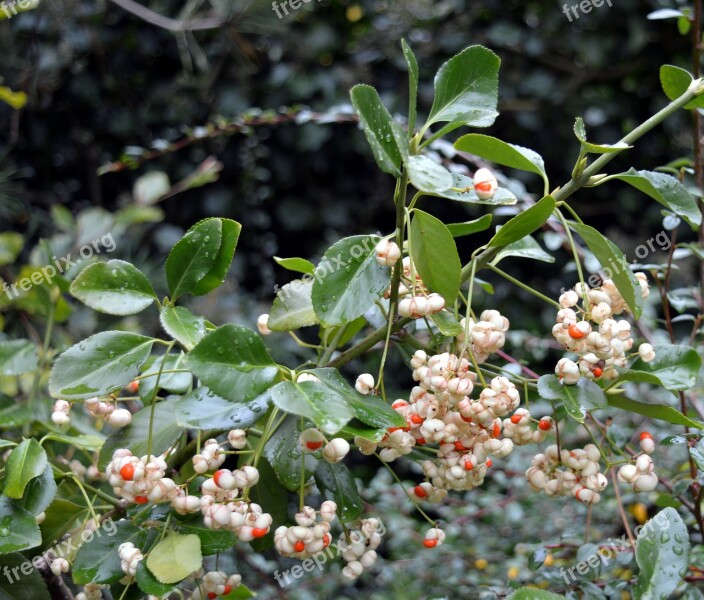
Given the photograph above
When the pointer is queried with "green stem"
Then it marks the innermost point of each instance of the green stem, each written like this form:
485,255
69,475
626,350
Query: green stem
405,491
153,401
577,262
523,286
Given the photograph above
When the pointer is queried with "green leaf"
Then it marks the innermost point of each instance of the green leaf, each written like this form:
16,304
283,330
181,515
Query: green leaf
462,190
18,528
212,541
18,357
529,593
175,557
97,560
150,584
298,265
581,133
524,223
675,368
527,247
273,498
14,414
412,64
136,435
90,442
447,324
470,227
662,552
27,461
314,400
666,190
435,255
25,586
293,307
39,493
428,176
283,451
233,362
182,325
378,128
335,482
230,235
348,280
202,409
11,244
371,410
115,287
193,257
654,411
176,383
466,90
612,259
675,82
502,153
61,517
577,399
99,365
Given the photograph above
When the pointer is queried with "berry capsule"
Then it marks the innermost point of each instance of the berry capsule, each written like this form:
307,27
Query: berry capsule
127,472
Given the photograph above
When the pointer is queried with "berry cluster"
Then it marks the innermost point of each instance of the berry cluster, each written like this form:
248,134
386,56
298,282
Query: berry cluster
486,336
91,591
215,583
359,548
518,428
334,451
415,299
568,472
117,417
590,332
59,566
210,457
130,557
641,475
140,480
309,536
60,415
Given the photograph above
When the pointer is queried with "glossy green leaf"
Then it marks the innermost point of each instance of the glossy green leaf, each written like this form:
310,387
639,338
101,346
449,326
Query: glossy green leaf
348,280
654,411
136,435
666,190
230,234
148,583
212,541
581,133
466,90
97,560
203,409
182,325
176,383
502,153
675,82
378,128
22,587
371,410
435,255
233,362
298,265
27,461
462,190
528,247
530,593
61,517
675,368
18,357
611,258
18,528
446,323
115,287
39,493
90,441
662,552
426,175
283,451
273,498
577,399
524,223
314,400
336,482
193,257
412,65
470,227
11,244
101,364
175,557
293,307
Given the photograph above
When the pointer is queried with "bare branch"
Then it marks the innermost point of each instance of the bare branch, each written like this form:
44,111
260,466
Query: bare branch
175,25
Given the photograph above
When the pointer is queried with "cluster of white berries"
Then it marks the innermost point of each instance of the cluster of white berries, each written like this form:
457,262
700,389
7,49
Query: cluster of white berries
91,591
387,253
359,551
60,415
130,556
210,457
140,480
215,583
484,183
334,451
590,331
415,299
569,472
117,417
309,536
433,537
641,475
486,336
90,473
518,428
59,566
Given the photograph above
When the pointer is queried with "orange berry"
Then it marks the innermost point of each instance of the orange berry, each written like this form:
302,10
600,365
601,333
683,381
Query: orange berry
484,186
468,466
227,590
133,387
299,546
258,532
544,424
127,472
417,419
313,445
216,476
489,463
459,446
212,595
496,431
399,404
420,491
326,540
515,419
575,332
141,499
598,371
420,441
430,543
646,435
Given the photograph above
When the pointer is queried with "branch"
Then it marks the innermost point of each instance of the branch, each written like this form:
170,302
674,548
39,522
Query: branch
154,18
